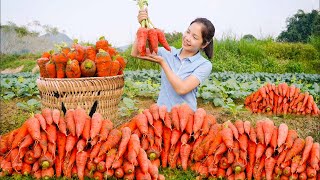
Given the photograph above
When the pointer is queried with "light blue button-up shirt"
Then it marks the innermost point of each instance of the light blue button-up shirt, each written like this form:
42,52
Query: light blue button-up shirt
196,65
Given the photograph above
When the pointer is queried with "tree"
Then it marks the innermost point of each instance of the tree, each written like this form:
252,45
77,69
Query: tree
301,26
249,37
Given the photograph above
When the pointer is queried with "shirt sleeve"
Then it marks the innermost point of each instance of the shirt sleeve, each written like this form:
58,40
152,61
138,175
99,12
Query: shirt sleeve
203,71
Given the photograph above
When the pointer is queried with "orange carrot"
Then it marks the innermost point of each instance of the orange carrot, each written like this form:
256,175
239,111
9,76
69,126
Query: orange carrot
47,173
42,121
162,111
154,110
81,145
274,138
282,134
143,160
62,125
240,126
269,166
199,116
70,122
189,126
113,139
80,117
47,114
96,124
70,143
253,135
158,127
33,126
311,172
227,136
142,123
292,135
111,155
167,120
106,127
260,150
315,156
185,151
126,133
150,135
307,150
142,35
162,39
148,115
61,143
259,130
175,137
175,117
267,127
295,163
183,112
81,160
209,120
37,150
86,130
56,116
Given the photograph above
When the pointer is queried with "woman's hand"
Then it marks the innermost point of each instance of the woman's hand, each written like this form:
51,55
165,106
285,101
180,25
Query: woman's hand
153,58
143,15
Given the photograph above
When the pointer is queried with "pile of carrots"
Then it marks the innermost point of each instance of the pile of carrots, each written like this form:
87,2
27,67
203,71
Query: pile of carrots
51,144
99,60
281,99
149,35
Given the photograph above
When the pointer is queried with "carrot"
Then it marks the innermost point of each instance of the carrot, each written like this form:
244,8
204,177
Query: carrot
303,176
81,160
199,116
175,137
292,135
47,114
70,143
274,138
162,39
259,129
80,117
139,174
41,62
183,112
307,150
96,124
47,173
103,63
158,127
102,43
126,133
33,126
227,136
106,127
69,118
185,151
172,159
128,167
91,52
111,155
62,125
150,135
61,142
167,120
133,148
175,117
58,167
37,150
162,110
129,176
42,121
215,143
208,121
117,163
43,142
143,160
142,123
253,135
86,129
240,126
27,141
189,126
112,140
267,127
94,141
148,115
282,134
167,135
51,69
260,150
269,166
311,172
315,156
142,36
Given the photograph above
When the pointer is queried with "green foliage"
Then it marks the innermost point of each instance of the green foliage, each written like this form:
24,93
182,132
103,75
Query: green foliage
248,37
28,61
301,26
31,106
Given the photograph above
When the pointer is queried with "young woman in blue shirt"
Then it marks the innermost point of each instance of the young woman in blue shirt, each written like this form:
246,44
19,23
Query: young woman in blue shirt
182,70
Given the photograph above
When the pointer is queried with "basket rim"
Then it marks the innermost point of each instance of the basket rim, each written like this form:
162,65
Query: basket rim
82,78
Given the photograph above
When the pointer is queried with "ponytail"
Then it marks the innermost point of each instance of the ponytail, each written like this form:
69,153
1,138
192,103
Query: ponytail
208,50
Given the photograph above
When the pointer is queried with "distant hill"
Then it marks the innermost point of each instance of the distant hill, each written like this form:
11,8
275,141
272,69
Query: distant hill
12,43
123,48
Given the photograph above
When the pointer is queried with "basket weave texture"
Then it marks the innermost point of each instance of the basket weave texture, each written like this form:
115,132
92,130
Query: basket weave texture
94,94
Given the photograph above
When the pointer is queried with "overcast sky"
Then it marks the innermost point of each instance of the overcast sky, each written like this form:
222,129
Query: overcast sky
117,19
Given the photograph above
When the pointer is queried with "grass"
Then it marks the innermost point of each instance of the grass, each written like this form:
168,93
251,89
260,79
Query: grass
15,61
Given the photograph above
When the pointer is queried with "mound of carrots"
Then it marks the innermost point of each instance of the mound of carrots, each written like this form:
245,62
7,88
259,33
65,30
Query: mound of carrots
53,145
81,60
148,36
281,99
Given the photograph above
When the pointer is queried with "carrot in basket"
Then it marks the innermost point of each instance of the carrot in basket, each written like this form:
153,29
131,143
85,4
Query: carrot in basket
42,66
88,68
123,63
91,52
80,51
142,36
103,63
61,61
162,39
51,69
73,69
102,43
115,67
112,51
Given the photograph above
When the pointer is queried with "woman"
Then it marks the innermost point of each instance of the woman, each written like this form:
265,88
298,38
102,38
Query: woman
182,70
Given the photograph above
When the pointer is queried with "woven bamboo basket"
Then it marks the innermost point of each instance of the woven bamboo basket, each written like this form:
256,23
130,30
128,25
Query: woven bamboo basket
94,94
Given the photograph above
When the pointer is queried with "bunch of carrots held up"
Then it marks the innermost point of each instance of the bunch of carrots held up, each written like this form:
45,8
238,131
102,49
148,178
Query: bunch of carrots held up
51,144
149,35
79,60
281,99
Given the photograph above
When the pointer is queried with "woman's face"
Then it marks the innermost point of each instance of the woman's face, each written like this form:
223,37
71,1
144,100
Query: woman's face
192,38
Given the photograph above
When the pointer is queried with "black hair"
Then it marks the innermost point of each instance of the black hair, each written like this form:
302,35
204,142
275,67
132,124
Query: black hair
207,32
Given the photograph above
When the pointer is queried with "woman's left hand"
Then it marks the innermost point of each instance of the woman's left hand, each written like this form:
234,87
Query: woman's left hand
153,58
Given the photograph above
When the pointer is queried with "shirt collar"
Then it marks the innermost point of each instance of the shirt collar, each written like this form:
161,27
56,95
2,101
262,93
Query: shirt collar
192,58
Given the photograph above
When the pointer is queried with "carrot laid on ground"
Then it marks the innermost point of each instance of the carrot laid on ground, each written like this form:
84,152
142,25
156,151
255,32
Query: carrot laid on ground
185,151
61,143
199,116
42,121
315,156
33,126
126,133
106,127
175,117
149,116
227,136
70,142
62,125
307,150
96,124
267,127
113,139
292,135
189,126
282,134
81,160
142,123
69,118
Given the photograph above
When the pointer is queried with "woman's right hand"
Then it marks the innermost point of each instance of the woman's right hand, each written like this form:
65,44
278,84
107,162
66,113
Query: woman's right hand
143,15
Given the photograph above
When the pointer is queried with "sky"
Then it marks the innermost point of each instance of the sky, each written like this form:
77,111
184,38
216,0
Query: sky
117,19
